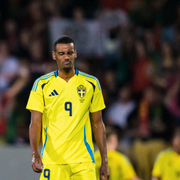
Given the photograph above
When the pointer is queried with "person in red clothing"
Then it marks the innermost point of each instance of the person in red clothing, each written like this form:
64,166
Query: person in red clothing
142,70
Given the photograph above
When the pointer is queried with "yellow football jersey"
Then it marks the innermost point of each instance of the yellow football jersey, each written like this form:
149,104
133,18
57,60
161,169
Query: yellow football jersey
119,166
66,108
167,165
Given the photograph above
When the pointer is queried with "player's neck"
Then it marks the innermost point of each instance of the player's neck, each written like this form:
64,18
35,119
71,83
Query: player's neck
66,75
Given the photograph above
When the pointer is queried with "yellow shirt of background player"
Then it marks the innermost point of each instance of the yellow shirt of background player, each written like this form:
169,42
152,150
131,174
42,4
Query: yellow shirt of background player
167,165
119,166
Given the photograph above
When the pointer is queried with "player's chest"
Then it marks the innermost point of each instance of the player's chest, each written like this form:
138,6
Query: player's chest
78,91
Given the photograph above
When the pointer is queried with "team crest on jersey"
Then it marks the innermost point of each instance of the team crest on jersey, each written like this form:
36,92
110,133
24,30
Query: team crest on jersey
81,90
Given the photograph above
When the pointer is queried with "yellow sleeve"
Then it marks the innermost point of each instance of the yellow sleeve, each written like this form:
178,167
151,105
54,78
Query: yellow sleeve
35,101
127,169
157,166
97,103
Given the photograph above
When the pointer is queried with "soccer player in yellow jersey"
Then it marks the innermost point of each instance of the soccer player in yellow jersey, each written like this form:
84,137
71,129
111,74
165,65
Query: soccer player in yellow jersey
119,166
167,164
63,105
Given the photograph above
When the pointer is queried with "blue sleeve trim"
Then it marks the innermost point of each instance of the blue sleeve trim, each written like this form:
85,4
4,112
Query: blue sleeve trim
35,85
92,77
42,152
88,146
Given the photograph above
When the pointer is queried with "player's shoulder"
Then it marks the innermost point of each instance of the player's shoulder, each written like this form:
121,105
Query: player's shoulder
118,157
43,79
90,78
165,153
46,77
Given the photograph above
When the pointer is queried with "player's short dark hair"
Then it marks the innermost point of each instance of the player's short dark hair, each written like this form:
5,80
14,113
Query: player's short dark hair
64,39
110,131
176,132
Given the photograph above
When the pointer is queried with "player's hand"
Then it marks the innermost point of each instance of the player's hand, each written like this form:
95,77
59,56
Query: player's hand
104,172
37,164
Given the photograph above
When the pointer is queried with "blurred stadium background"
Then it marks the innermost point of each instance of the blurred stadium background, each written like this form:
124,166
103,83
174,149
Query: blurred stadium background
131,46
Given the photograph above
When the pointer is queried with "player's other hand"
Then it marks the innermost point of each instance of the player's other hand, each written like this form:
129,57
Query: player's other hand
37,164
104,172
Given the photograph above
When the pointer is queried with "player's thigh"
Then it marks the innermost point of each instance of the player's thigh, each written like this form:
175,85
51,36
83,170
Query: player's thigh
83,171
55,172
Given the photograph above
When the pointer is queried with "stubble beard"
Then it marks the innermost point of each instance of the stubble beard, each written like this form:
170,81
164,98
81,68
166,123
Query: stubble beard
67,69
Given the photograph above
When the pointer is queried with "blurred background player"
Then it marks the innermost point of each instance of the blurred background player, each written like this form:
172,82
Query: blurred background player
167,165
150,126
119,166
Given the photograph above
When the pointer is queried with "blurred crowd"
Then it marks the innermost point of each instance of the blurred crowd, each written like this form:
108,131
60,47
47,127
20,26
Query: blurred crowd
138,65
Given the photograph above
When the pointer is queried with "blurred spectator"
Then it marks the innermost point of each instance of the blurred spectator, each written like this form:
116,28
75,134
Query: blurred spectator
110,87
83,65
17,121
123,72
113,18
167,162
112,48
52,8
118,112
24,43
9,66
39,61
142,70
151,125
119,166
35,19
166,65
172,97
167,62
11,33
176,44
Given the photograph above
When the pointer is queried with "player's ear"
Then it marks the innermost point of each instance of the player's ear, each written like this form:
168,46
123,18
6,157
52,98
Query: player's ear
54,55
75,54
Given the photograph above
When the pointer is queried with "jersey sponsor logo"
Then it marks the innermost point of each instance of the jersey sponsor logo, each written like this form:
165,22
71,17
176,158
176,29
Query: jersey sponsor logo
81,90
53,93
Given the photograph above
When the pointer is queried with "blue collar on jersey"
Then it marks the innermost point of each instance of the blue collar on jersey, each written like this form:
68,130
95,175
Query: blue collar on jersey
56,72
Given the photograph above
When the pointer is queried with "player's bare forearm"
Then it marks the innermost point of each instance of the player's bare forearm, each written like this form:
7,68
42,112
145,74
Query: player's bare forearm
35,130
35,135
100,138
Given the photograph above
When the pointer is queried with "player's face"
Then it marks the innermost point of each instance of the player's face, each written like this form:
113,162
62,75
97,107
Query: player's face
176,144
65,55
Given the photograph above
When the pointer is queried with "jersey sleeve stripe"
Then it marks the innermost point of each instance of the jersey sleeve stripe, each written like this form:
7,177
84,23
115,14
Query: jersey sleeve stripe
34,88
42,152
37,81
92,77
88,146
